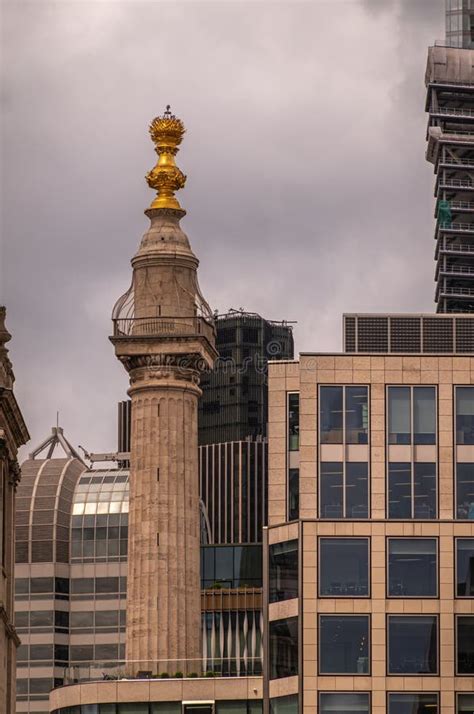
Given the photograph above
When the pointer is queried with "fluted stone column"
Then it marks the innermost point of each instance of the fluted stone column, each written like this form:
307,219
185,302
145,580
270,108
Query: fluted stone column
164,336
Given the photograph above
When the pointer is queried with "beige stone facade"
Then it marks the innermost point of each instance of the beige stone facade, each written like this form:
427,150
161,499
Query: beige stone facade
13,434
306,377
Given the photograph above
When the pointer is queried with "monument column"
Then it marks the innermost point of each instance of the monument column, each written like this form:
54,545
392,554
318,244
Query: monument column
164,336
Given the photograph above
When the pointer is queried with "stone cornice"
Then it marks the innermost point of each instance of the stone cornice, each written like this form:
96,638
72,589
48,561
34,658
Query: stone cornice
9,627
16,433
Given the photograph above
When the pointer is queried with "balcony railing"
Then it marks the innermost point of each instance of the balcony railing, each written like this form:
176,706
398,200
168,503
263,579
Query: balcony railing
459,227
163,669
456,183
457,162
164,327
453,111
468,292
457,270
462,205
457,248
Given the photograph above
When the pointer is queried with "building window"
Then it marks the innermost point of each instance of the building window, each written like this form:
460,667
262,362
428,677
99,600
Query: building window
344,490
283,575
231,566
412,491
465,645
411,415
465,492
283,648
343,567
344,644
284,705
293,421
344,415
465,704
335,703
412,567
465,567
464,415
293,494
412,644
399,703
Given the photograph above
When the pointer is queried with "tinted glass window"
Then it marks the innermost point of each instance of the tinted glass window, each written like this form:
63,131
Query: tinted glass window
41,585
293,422
412,567
41,652
82,585
344,492
107,585
22,586
412,644
399,415
356,415
283,648
284,705
465,645
343,703
464,415
412,493
412,704
344,644
283,575
82,653
344,567
424,415
293,494
465,567
331,415
41,618
331,490
465,704
21,619
465,491
81,619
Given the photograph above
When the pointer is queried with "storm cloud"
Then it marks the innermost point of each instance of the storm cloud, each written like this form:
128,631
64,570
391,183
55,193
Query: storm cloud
308,193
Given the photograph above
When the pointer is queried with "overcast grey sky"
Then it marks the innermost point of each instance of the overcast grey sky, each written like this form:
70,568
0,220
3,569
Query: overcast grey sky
308,194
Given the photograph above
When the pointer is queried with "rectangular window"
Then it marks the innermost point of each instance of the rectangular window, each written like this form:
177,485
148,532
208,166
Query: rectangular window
335,703
283,648
293,494
412,491
465,644
344,644
344,415
284,705
400,703
465,492
343,567
344,490
465,567
412,567
411,415
293,421
283,575
465,704
412,644
464,415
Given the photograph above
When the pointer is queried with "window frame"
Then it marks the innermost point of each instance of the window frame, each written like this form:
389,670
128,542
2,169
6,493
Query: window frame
455,489
457,695
387,571
388,615
455,549
287,420
344,444
347,615
333,691
367,538
456,643
412,464
412,388
436,694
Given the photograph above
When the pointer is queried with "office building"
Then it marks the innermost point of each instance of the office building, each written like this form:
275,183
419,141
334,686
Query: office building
460,23
13,434
450,105
370,593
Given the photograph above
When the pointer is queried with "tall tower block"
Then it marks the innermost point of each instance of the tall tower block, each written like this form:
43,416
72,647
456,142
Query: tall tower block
164,336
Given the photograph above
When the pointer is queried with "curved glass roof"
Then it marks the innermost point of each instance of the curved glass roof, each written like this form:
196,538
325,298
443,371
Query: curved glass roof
101,492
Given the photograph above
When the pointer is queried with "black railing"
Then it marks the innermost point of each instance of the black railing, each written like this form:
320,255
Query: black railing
163,327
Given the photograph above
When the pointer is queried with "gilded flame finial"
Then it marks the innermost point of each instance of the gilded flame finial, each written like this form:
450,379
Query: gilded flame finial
165,178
